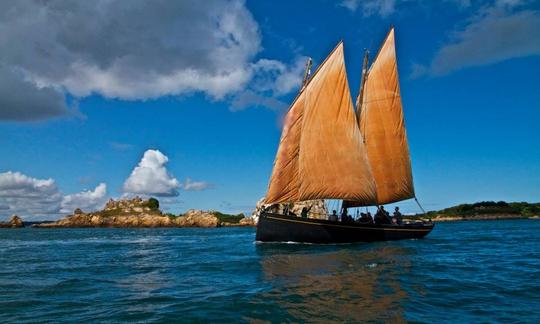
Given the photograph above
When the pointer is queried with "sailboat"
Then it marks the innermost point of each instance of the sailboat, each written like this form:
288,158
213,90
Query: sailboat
329,150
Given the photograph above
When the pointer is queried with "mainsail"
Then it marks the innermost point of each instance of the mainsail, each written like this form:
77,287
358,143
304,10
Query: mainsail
321,153
383,128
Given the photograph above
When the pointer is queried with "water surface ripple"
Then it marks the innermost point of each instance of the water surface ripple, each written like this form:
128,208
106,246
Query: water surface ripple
466,271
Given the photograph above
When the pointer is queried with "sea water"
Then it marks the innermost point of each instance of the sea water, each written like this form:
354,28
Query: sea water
462,272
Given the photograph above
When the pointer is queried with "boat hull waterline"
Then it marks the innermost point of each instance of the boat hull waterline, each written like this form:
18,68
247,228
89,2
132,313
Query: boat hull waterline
281,228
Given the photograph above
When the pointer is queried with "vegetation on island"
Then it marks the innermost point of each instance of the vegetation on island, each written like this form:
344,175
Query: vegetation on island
484,208
229,218
152,203
223,218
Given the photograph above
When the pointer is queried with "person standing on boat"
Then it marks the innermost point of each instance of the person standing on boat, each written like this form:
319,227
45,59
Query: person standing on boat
382,216
344,215
398,217
333,217
305,211
365,218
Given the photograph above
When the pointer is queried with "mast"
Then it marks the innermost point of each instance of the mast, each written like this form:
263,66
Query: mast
307,71
363,79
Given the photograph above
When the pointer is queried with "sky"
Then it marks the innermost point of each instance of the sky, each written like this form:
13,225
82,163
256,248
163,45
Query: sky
183,100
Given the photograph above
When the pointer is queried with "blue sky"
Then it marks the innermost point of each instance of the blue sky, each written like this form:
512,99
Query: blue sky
208,86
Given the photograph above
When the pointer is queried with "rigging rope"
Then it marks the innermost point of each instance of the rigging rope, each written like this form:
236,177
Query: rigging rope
423,211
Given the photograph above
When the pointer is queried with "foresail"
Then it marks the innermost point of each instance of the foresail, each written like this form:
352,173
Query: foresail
383,128
284,181
321,153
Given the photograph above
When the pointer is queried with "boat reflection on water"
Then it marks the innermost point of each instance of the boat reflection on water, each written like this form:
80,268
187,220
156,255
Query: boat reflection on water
346,283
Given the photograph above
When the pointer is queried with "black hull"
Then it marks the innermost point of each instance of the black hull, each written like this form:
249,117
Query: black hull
281,228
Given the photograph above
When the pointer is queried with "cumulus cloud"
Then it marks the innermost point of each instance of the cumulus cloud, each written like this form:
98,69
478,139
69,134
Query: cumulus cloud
495,34
88,200
25,195
124,49
150,177
33,198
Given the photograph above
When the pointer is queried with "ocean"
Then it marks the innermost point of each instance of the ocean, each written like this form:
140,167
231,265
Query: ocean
476,271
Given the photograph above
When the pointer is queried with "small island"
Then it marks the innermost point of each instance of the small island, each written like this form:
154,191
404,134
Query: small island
136,212
14,222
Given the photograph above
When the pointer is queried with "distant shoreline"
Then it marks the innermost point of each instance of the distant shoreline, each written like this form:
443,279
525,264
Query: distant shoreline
457,218
138,213
441,218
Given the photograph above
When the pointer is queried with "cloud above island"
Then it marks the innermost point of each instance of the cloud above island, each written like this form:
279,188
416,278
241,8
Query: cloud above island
87,200
33,198
134,50
151,178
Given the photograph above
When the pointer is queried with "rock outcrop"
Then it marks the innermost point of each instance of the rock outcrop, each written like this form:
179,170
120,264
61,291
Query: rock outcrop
198,218
14,222
137,212
248,221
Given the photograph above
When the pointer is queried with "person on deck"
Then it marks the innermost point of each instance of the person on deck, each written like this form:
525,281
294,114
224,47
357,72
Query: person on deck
382,216
344,215
398,217
305,211
333,217
370,217
365,218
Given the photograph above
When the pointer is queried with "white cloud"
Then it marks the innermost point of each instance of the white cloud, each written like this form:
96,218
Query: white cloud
132,50
152,48
272,79
494,35
190,185
150,177
33,198
89,200
25,195
276,77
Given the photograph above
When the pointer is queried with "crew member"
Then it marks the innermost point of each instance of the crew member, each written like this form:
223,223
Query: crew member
398,217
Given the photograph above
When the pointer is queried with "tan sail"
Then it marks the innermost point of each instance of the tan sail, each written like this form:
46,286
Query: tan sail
284,182
321,153
383,128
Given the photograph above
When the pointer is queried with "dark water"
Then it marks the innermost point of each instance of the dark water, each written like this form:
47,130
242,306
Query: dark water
464,271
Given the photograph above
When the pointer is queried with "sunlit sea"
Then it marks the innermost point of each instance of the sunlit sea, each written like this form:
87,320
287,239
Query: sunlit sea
486,271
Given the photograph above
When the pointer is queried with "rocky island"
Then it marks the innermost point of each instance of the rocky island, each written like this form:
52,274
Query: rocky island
136,212
14,222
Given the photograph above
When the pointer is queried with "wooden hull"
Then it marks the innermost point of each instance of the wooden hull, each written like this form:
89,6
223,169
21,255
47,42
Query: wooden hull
281,228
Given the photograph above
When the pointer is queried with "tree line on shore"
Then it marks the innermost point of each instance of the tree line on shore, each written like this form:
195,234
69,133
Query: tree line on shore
490,207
